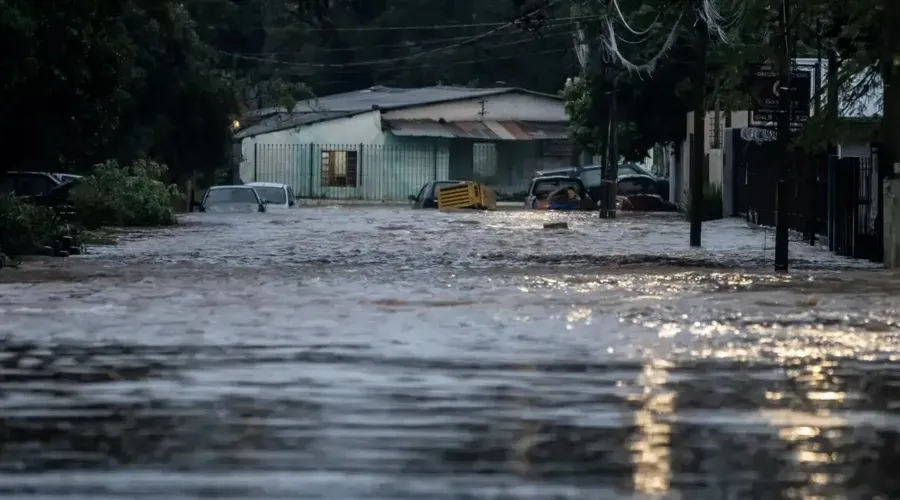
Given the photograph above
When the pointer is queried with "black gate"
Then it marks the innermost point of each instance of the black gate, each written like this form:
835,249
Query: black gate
854,190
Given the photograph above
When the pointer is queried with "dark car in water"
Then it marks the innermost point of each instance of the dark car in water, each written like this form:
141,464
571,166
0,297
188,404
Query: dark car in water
544,192
30,184
232,199
427,197
592,176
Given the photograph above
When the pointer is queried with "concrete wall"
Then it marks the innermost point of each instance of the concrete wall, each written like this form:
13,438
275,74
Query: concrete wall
519,107
892,223
680,181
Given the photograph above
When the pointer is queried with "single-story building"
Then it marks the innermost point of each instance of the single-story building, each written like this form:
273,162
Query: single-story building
384,143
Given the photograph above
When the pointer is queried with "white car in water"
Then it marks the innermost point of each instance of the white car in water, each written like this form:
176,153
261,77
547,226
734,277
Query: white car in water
275,195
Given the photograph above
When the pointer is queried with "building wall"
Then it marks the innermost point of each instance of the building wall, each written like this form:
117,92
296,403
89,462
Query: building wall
388,167
391,167
518,107
680,181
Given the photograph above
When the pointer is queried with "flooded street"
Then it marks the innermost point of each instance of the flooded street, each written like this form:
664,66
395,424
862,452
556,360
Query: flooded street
382,353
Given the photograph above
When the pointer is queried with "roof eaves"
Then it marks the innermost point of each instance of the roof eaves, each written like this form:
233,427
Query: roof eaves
262,128
507,90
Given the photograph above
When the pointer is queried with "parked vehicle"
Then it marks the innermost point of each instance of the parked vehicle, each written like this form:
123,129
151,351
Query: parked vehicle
644,203
628,185
545,193
275,195
232,199
20,183
428,195
592,176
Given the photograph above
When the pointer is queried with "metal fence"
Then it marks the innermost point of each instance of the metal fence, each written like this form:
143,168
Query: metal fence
375,172
853,208
831,197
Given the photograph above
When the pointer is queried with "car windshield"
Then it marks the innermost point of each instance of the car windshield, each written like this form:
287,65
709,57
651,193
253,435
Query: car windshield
542,189
272,194
231,195
632,169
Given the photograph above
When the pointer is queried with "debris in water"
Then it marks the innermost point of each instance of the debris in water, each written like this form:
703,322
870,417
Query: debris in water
556,225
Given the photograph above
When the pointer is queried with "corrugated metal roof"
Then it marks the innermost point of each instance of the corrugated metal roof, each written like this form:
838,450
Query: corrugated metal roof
286,121
387,98
490,130
361,101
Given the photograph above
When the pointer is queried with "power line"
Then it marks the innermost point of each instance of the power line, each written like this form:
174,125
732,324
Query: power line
452,26
375,29
435,27
264,57
468,61
396,59
523,37
379,61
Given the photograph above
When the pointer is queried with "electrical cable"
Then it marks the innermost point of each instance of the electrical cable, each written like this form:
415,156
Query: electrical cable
610,44
395,59
628,27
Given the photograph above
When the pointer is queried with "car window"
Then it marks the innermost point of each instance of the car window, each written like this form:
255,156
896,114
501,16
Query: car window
632,169
291,198
542,189
230,195
636,185
421,195
592,177
30,184
275,195
627,170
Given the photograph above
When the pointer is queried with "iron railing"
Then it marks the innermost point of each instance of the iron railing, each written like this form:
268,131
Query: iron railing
831,197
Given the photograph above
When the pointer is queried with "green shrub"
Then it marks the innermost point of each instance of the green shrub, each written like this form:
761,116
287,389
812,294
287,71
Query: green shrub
27,229
125,196
711,203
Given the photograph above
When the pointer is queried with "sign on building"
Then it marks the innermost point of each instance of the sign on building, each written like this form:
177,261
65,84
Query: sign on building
765,87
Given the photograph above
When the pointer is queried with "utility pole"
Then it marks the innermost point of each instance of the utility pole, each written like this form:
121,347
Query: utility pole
783,138
889,135
612,185
812,168
698,82
890,74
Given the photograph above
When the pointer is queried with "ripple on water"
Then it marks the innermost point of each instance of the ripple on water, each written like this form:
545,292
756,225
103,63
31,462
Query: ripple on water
350,354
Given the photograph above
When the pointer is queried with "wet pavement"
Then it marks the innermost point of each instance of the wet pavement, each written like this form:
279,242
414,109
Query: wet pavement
381,353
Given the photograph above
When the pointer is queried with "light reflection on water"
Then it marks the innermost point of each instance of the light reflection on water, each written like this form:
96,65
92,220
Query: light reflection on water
230,360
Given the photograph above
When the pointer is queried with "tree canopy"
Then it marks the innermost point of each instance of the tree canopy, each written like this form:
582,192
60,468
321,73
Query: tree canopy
90,80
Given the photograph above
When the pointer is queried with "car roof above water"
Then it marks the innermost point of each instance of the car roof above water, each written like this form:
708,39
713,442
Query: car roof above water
235,186
266,184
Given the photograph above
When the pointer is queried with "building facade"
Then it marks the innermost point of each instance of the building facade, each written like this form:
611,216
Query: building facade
384,143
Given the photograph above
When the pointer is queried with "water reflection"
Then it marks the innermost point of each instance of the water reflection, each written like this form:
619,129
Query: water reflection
700,429
221,364
652,440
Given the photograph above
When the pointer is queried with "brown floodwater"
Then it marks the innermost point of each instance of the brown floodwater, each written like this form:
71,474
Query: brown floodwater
382,353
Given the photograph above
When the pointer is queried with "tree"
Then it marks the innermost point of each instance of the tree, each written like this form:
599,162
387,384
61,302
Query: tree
91,80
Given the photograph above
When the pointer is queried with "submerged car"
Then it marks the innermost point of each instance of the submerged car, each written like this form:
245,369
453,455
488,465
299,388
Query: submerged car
555,193
20,183
275,195
232,199
592,176
428,195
